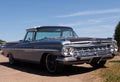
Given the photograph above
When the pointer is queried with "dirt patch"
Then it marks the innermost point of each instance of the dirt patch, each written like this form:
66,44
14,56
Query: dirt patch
24,72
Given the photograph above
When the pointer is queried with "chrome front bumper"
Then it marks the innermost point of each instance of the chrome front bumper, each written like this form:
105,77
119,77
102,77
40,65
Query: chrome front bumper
81,60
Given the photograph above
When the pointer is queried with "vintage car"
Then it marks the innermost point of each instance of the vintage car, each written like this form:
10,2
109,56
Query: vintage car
57,46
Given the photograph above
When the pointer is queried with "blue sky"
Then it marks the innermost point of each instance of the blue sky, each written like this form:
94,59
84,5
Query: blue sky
89,18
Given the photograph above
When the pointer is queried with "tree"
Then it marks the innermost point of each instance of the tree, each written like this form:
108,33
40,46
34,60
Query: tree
117,34
1,41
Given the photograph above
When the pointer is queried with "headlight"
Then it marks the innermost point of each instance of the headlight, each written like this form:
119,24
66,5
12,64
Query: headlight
65,51
113,48
68,51
116,49
71,51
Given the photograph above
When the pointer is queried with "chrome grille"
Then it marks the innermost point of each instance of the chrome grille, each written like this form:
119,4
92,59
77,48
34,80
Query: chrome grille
92,51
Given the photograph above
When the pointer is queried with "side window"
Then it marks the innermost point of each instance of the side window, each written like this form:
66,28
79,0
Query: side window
29,36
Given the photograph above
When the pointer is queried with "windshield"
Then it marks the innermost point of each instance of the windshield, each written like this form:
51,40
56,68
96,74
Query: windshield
44,33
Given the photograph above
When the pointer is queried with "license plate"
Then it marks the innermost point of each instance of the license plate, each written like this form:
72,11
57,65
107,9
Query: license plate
89,53
93,53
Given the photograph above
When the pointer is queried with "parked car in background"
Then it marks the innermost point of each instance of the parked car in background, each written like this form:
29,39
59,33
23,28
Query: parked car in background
57,46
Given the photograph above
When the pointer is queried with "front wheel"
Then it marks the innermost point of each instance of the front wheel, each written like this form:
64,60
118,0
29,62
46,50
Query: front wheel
98,65
51,64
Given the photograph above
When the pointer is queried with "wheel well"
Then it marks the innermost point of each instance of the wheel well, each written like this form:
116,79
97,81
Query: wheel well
8,54
42,60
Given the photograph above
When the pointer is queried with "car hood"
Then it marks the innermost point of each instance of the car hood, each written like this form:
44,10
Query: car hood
87,40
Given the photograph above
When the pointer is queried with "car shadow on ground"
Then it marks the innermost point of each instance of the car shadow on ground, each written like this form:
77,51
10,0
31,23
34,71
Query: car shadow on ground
36,69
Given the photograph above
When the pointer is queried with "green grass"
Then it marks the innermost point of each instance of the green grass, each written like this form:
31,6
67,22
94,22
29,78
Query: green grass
112,73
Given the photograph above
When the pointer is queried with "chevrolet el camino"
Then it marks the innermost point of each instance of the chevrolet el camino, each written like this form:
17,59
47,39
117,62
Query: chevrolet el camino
57,46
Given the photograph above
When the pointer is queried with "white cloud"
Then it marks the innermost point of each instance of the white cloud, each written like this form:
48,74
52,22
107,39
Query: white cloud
99,27
103,31
92,21
92,12
78,23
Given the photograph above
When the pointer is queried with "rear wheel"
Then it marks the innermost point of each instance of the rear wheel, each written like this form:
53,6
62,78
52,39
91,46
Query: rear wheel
51,64
97,65
11,59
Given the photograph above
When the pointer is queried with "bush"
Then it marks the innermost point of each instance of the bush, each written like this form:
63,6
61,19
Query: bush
1,41
111,74
117,34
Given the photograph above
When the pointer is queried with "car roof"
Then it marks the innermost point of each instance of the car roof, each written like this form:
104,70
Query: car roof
39,27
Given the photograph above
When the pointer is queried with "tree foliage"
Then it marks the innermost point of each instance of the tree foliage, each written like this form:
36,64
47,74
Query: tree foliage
1,41
117,34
